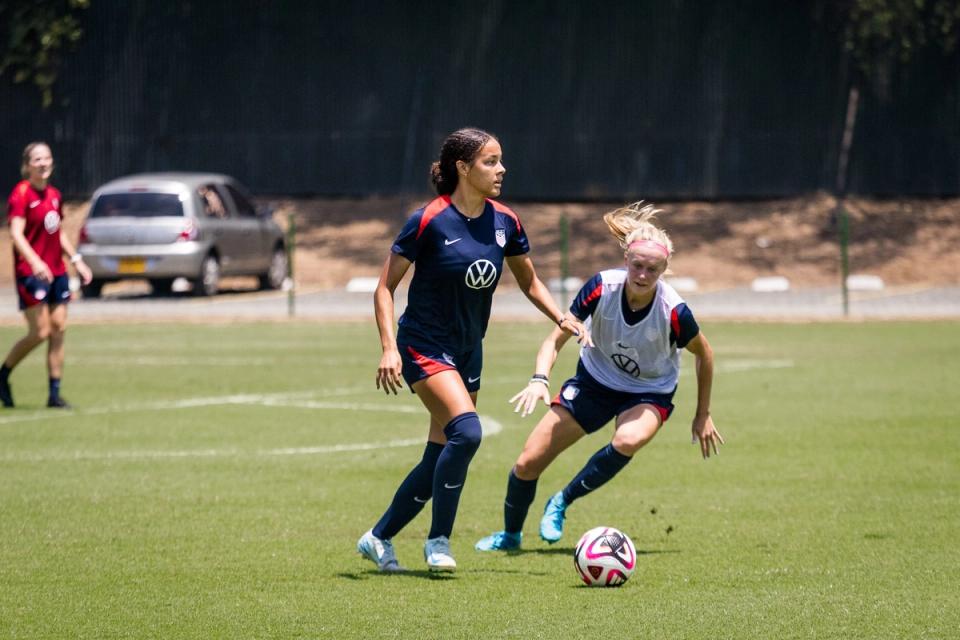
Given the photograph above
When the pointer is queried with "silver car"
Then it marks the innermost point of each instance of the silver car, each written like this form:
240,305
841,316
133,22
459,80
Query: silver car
163,226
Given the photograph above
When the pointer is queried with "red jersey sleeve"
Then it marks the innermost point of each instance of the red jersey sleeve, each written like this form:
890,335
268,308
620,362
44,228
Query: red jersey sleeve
17,202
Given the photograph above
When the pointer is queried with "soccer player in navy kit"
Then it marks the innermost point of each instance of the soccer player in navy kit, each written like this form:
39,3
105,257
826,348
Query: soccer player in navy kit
638,325
459,242
35,213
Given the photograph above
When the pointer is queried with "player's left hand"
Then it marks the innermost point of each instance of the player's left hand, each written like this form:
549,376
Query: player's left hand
706,433
577,329
86,276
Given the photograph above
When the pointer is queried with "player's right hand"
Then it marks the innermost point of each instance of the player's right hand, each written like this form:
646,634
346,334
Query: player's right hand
526,400
388,373
41,270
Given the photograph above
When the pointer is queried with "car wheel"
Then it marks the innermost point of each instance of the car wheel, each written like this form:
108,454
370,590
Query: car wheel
93,289
208,282
277,272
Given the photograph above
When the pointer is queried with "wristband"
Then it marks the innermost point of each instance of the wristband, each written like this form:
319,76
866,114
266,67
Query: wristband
561,321
539,377
75,258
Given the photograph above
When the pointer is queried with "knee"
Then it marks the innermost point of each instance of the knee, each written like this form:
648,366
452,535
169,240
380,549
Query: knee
39,333
465,432
629,443
527,468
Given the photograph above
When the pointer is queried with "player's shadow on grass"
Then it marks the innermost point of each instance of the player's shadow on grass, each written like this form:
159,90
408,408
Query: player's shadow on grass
429,575
409,573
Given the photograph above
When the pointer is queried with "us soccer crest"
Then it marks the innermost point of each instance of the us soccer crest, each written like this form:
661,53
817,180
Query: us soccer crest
501,237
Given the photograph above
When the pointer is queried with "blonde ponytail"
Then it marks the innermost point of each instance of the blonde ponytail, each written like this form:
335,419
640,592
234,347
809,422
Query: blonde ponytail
635,222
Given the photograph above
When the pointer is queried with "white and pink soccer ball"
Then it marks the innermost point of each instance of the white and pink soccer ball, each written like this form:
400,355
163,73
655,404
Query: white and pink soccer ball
605,557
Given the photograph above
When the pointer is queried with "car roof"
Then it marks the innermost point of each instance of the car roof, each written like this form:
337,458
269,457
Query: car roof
164,180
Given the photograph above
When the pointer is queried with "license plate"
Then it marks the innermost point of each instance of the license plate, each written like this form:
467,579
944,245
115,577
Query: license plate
132,265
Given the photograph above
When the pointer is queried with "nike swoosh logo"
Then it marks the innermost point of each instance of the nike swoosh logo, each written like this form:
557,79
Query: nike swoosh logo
420,500
585,486
622,346
450,242
452,486
472,380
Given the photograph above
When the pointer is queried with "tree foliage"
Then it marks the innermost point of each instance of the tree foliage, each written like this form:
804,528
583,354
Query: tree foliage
34,35
881,34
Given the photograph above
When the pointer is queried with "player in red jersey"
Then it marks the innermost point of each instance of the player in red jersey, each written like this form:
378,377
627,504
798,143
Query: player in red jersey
34,213
460,243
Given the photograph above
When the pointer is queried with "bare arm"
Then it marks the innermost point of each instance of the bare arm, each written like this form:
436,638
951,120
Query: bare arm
539,295
68,250
539,386
388,373
703,428
22,246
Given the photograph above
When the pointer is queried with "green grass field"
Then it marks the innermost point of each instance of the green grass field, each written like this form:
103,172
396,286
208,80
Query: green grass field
214,479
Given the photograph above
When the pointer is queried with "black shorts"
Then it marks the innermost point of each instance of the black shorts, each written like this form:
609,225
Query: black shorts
594,405
32,291
421,359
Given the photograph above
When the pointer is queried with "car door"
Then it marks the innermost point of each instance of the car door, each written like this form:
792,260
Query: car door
255,258
216,220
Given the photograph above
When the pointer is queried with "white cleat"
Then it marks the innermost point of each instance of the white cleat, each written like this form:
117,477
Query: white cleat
436,551
380,552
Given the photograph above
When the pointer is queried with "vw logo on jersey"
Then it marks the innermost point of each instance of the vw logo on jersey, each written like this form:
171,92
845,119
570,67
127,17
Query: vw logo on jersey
481,274
51,221
626,364
500,235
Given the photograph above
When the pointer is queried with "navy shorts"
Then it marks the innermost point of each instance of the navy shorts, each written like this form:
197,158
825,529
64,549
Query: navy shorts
421,359
32,291
594,405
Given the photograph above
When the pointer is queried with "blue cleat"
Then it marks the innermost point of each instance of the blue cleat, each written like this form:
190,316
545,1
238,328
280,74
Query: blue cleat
436,551
378,551
499,541
551,524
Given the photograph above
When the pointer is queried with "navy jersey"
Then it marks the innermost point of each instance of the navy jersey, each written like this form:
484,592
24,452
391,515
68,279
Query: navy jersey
458,263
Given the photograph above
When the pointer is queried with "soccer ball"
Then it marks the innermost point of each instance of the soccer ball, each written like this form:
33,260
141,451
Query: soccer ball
605,557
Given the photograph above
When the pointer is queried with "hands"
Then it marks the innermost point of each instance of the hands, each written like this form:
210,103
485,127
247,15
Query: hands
388,373
86,276
575,327
704,431
527,399
41,270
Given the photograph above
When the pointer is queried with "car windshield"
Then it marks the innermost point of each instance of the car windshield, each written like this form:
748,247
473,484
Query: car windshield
137,205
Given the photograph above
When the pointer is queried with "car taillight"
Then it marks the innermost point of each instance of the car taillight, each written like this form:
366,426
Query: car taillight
189,232
84,237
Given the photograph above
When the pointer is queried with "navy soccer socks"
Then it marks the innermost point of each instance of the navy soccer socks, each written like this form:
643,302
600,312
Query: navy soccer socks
520,495
463,439
6,395
54,389
602,466
413,494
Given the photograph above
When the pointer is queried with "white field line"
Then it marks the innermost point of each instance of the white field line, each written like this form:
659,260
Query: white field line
736,366
740,366
186,403
491,428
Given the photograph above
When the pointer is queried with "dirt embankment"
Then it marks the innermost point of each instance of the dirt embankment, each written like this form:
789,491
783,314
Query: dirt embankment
720,244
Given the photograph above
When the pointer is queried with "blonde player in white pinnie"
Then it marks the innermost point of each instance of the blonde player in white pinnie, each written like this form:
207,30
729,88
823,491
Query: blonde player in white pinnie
638,325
